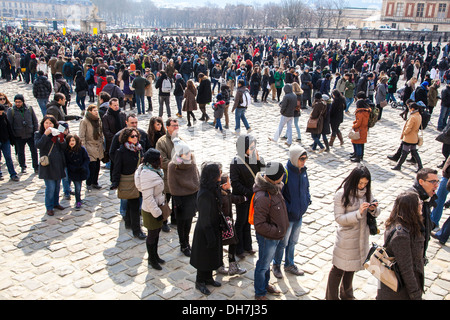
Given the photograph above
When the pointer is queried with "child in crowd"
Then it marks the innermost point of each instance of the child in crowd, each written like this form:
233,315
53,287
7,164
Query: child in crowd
219,109
227,202
77,161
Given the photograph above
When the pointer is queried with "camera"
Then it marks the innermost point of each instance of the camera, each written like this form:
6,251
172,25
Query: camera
24,123
371,221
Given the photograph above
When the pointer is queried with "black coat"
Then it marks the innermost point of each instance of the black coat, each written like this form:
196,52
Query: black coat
241,178
77,164
207,252
337,112
55,170
204,94
125,162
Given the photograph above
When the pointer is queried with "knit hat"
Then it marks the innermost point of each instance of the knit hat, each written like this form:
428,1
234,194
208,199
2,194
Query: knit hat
151,155
19,97
274,170
178,76
295,152
219,97
180,147
33,56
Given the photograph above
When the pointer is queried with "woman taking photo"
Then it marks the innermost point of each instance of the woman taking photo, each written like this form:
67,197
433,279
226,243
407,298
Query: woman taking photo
207,251
149,180
91,135
407,246
352,202
126,160
183,181
156,130
50,142
361,125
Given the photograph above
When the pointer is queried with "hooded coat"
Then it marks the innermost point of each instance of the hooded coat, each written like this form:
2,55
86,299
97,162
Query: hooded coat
289,102
271,218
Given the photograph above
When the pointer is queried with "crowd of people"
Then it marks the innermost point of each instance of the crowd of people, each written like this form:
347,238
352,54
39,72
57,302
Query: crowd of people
155,171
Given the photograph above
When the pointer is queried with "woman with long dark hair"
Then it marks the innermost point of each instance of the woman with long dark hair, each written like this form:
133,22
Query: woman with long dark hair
353,201
207,249
407,246
156,130
51,143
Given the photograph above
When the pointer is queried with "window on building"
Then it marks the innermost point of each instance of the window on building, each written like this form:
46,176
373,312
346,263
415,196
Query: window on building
435,27
441,10
420,9
400,9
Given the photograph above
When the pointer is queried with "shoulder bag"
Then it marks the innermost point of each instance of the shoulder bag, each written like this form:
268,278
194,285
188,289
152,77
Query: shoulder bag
420,141
313,123
44,160
354,135
127,187
382,266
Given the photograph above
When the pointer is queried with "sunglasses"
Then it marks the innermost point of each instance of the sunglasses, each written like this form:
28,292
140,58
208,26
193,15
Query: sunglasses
2,98
302,158
134,136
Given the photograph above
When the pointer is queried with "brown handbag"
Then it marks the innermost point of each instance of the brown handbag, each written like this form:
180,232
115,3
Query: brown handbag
312,123
165,210
383,104
127,188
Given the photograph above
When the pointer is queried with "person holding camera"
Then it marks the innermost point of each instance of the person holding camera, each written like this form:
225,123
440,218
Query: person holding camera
51,144
353,202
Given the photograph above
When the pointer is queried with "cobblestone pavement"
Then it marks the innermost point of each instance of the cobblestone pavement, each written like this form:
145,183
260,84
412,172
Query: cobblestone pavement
88,254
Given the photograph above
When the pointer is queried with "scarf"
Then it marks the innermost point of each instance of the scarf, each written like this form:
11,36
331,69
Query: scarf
95,121
60,136
133,147
158,171
117,123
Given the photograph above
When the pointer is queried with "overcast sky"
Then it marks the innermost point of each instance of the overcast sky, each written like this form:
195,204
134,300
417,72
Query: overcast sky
221,3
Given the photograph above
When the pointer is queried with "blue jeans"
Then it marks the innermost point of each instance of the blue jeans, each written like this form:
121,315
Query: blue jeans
80,102
441,193
186,76
77,185
52,188
70,83
5,147
443,117
140,102
218,124
444,233
267,248
66,183
316,138
287,245
348,102
390,96
179,100
358,148
297,128
43,105
240,115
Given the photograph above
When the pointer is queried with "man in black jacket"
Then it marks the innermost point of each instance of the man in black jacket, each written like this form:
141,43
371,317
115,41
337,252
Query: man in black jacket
425,185
243,169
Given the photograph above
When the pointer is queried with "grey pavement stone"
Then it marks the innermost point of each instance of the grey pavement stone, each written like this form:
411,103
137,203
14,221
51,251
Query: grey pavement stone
88,254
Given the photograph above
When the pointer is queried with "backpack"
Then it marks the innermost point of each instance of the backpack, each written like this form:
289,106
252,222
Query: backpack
166,86
251,210
65,91
373,117
246,99
413,95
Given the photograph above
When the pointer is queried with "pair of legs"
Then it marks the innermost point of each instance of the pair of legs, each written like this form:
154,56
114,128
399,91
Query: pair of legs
164,100
284,121
340,285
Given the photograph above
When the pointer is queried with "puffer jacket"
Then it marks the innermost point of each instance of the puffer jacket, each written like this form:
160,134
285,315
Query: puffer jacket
352,236
271,218
408,252
151,185
296,191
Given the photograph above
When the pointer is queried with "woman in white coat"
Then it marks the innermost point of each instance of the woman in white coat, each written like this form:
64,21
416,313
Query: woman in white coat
353,201
149,181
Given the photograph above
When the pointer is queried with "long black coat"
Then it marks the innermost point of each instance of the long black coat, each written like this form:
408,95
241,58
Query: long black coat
204,94
207,252
55,170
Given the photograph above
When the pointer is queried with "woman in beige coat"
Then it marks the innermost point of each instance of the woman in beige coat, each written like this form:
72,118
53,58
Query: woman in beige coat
410,137
91,134
352,203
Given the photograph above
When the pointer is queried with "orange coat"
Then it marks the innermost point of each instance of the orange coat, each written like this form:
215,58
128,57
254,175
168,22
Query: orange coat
361,124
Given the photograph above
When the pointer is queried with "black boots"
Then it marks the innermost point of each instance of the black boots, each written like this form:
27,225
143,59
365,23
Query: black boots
341,139
153,258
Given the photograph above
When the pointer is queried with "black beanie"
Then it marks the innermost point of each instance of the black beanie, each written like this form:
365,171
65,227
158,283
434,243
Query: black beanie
274,170
151,155
19,97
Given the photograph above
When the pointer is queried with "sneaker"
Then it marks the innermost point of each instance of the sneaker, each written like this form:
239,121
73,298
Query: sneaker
222,270
249,130
78,206
294,270
67,197
277,271
321,150
13,178
235,269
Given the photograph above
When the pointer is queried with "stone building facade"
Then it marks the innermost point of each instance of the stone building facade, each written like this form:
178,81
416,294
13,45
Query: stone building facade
417,15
